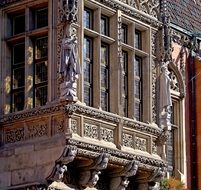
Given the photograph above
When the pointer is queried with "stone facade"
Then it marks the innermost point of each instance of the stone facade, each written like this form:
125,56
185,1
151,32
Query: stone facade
66,144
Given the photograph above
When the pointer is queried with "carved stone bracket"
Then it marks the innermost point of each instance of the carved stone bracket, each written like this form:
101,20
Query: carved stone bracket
60,168
89,175
119,180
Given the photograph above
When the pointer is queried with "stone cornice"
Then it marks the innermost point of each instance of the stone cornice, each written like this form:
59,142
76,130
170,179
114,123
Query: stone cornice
117,156
133,12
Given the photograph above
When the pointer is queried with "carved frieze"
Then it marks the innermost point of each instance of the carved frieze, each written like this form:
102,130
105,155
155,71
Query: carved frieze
14,135
154,147
37,130
91,150
154,80
74,125
91,131
58,124
106,134
128,140
140,143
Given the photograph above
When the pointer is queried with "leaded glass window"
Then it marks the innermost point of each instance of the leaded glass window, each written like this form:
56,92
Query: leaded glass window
41,68
138,39
18,77
88,55
18,23
41,18
124,33
125,83
104,77
104,25
88,18
138,87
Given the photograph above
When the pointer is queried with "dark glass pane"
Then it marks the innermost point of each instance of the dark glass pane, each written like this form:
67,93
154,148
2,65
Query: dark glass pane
40,96
104,25
18,77
41,48
87,48
87,72
170,152
137,111
124,33
104,55
104,77
137,89
41,72
88,14
18,53
18,101
87,95
125,107
138,40
104,100
137,66
41,18
18,24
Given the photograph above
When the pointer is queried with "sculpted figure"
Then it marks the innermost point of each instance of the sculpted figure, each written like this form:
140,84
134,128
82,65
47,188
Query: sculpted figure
89,175
119,180
165,98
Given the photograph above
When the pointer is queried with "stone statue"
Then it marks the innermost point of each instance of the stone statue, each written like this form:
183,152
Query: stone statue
89,175
119,180
60,168
69,67
165,98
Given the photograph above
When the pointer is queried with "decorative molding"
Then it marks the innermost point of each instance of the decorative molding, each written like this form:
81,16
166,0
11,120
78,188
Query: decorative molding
149,6
127,140
91,150
14,135
141,144
91,131
74,125
106,134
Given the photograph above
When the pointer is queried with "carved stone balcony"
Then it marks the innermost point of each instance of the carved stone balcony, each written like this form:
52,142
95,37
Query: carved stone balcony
92,132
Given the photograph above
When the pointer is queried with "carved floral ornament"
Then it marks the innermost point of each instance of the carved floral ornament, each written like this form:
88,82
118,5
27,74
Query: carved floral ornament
88,170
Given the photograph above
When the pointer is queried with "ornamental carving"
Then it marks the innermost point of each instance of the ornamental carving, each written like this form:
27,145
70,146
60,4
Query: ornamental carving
89,175
107,134
14,135
37,130
174,85
154,79
128,140
119,180
150,7
154,147
91,131
141,144
74,125
58,124
69,67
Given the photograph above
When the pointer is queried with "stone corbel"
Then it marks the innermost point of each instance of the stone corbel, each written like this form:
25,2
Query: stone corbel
119,180
60,168
89,175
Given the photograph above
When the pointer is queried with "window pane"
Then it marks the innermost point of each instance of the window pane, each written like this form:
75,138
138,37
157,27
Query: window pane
18,101
104,100
138,40
41,17
41,72
137,89
104,25
124,33
18,54
88,16
18,77
104,77
104,55
88,70
137,111
41,48
137,66
18,24
40,96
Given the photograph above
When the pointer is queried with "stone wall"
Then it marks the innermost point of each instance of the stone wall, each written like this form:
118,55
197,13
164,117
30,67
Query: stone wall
30,162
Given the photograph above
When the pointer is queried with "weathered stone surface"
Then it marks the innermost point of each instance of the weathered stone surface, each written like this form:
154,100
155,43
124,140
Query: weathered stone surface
47,156
42,172
5,179
4,164
6,152
24,149
23,161
22,176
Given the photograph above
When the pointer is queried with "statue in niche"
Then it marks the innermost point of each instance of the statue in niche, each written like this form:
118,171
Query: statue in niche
69,62
165,98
